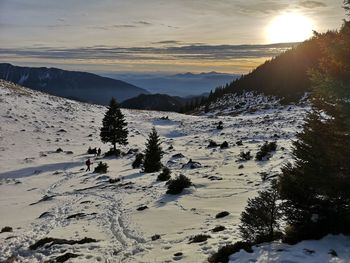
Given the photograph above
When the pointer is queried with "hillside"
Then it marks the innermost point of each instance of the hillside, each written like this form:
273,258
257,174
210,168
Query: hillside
285,76
80,86
158,102
45,192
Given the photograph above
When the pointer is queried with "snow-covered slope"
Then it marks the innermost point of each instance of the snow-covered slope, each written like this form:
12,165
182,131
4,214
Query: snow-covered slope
82,204
247,102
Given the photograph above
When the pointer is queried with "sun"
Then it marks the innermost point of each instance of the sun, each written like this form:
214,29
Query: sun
289,27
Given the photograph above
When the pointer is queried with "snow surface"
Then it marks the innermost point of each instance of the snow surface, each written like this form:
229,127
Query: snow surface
34,125
309,251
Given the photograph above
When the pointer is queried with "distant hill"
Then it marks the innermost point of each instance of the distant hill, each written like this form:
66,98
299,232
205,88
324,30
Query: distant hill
183,85
81,86
285,76
158,102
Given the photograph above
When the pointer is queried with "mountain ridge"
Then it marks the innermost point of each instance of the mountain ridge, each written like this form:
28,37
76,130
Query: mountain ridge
82,86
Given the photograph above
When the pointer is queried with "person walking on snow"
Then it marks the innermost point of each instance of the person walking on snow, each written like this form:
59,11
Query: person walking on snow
88,163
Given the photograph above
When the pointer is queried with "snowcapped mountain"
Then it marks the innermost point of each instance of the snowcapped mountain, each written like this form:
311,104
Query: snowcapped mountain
125,215
81,86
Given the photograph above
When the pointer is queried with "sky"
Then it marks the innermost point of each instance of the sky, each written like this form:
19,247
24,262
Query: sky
231,36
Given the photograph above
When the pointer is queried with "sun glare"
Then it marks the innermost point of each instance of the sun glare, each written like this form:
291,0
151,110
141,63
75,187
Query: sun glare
289,27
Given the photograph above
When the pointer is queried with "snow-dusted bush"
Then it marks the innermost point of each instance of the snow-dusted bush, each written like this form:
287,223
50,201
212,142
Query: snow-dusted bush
175,186
101,168
199,238
212,144
222,214
225,252
92,151
224,145
245,156
164,175
265,150
138,161
220,125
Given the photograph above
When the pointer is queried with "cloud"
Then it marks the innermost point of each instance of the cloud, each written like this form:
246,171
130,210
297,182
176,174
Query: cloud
129,25
265,7
312,4
181,53
168,42
145,23
122,26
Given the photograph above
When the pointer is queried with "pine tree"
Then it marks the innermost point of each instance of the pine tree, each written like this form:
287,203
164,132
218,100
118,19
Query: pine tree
315,187
260,220
114,127
153,153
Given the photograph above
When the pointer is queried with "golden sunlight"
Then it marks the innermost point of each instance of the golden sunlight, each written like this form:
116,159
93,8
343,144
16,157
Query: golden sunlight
289,27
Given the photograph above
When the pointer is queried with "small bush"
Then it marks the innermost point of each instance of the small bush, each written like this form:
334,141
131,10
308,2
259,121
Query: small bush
218,229
225,252
141,208
212,144
199,238
224,145
113,181
6,229
220,125
265,150
222,214
176,186
245,156
155,237
164,175
92,151
138,161
101,168
113,153
333,253
59,150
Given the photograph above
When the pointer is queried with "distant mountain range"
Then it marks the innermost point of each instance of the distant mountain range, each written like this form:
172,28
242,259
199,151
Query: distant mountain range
76,85
183,85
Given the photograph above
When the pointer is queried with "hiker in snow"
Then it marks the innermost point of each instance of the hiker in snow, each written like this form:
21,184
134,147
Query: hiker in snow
88,163
99,152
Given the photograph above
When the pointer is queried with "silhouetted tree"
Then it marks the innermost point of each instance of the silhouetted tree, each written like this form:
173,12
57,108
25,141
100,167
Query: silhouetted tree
114,127
153,154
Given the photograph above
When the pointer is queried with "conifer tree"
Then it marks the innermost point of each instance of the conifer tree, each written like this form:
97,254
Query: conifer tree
315,187
260,220
114,127
153,154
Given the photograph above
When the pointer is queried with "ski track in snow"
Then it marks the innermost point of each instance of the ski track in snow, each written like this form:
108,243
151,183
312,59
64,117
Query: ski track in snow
34,125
